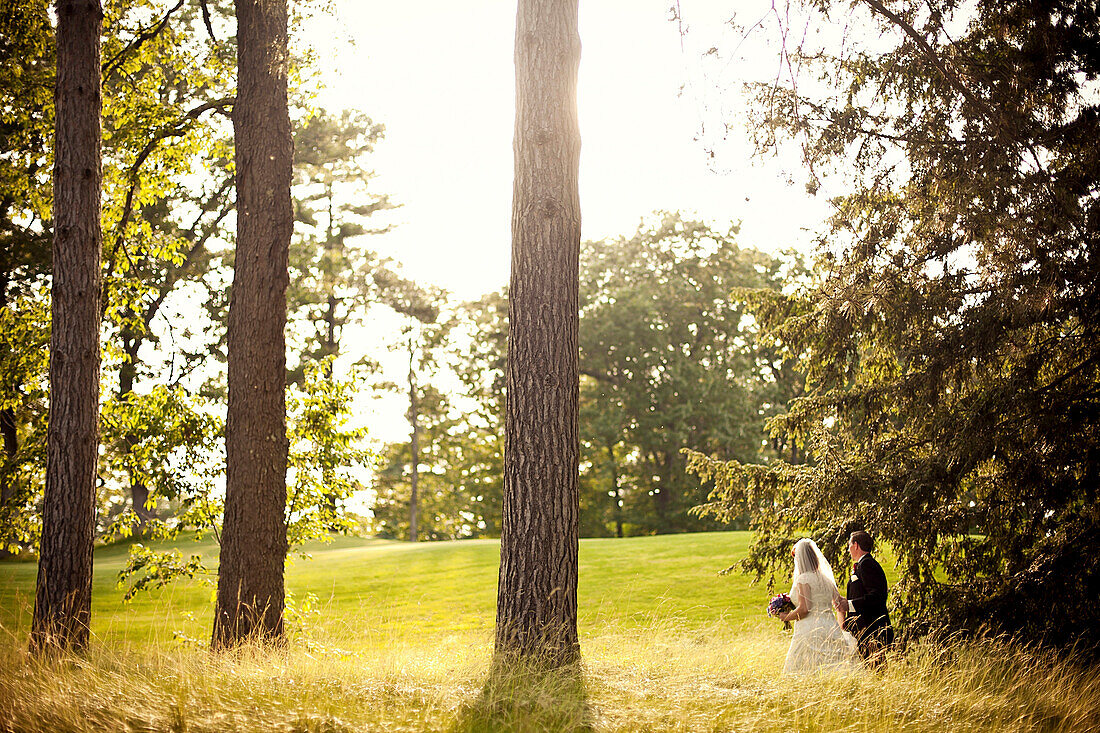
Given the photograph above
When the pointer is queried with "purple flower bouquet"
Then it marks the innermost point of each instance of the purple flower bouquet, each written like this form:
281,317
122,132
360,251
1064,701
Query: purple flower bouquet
779,604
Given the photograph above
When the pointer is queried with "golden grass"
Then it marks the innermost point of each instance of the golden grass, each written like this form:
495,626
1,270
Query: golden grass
663,677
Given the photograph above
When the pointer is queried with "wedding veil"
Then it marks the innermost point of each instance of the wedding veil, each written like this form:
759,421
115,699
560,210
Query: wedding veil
808,559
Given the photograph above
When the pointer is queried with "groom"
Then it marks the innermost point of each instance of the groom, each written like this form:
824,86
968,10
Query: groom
864,610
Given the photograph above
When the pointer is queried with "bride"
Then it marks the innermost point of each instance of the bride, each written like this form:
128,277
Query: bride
818,643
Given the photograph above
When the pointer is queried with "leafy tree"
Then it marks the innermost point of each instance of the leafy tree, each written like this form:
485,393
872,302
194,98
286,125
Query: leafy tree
479,361
63,596
24,338
949,338
667,361
325,457
442,498
168,441
165,87
537,590
26,124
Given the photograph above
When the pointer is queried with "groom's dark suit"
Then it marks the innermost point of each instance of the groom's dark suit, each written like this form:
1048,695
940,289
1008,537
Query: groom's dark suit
870,621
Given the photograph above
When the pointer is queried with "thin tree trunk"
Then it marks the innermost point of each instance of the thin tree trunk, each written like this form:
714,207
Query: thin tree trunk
414,446
250,596
330,347
616,492
11,448
139,492
8,431
63,597
537,588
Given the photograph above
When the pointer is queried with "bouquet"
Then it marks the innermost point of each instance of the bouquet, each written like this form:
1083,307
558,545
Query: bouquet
780,604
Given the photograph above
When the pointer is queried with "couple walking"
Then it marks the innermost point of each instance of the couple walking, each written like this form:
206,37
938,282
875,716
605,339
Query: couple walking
832,631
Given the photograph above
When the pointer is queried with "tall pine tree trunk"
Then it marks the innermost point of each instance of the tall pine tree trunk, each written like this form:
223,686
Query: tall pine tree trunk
537,589
63,598
250,577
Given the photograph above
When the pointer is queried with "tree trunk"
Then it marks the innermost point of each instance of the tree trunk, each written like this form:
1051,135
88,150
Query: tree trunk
253,551
63,597
11,448
331,250
414,446
537,587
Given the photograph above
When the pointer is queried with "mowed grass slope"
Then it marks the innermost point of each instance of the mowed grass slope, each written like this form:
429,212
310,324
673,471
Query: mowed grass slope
399,589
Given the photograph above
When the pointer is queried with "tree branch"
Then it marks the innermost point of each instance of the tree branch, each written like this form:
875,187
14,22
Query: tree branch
180,128
146,35
206,20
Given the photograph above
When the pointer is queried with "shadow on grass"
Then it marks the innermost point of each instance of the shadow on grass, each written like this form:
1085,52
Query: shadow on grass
521,697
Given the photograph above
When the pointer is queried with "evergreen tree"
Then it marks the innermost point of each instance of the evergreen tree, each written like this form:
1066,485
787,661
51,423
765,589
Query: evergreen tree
949,338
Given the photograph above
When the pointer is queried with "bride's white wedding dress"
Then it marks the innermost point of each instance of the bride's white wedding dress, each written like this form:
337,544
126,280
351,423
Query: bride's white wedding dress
819,644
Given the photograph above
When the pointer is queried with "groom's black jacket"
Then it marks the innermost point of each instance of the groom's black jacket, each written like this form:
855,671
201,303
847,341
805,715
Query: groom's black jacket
867,592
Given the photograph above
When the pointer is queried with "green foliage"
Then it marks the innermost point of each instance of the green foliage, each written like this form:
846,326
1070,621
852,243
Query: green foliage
949,337
171,443
667,361
156,569
326,457
444,497
24,337
26,134
177,457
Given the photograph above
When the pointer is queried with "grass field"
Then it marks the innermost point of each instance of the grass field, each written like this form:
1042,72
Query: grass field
396,589
400,639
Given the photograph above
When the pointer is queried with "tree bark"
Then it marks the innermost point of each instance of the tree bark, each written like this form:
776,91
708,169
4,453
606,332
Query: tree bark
414,445
250,597
537,587
63,597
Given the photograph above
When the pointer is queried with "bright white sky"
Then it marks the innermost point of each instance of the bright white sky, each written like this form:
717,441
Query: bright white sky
439,75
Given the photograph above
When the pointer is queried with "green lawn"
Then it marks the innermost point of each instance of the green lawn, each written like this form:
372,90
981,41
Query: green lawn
433,589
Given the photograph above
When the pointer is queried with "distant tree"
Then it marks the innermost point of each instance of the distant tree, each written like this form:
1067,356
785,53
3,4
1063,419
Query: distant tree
537,592
479,361
949,337
251,592
442,500
332,281
423,336
461,434
63,598
667,361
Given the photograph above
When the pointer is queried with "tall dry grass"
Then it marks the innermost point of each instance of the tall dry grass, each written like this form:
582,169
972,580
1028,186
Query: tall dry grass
662,678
